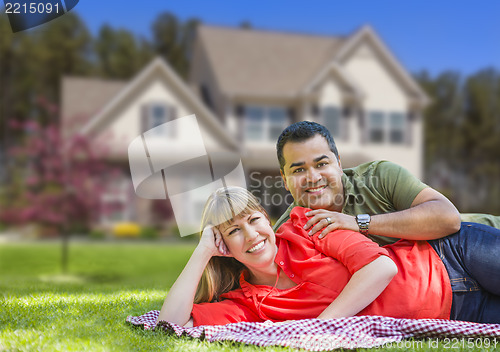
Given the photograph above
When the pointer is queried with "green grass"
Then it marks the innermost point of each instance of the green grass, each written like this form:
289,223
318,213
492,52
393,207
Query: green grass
41,310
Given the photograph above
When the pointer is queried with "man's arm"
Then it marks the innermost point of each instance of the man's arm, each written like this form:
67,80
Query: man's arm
430,216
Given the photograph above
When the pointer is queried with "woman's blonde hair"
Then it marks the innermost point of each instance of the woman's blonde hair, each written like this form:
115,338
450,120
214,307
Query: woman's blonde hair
222,273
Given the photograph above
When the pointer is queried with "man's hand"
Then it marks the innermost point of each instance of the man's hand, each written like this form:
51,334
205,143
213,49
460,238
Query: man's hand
329,221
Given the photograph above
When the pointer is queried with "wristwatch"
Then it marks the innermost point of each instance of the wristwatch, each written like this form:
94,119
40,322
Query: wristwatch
363,221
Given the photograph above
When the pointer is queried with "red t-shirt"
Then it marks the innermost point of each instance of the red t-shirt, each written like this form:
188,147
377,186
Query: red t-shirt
321,269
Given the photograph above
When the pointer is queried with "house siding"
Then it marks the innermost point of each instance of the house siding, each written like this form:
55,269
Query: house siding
385,94
127,125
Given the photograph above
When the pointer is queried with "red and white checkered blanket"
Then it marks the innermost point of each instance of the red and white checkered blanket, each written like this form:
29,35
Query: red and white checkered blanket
322,335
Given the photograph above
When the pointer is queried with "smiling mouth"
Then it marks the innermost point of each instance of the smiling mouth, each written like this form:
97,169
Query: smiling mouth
257,247
316,189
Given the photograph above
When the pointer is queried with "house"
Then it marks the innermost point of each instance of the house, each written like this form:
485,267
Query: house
245,87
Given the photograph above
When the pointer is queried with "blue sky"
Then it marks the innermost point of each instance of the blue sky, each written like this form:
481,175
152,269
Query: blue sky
434,35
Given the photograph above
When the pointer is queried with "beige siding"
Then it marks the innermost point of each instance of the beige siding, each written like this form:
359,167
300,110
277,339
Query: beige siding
383,93
126,126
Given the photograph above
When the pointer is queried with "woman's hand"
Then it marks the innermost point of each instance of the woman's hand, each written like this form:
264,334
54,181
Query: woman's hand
211,241
178,305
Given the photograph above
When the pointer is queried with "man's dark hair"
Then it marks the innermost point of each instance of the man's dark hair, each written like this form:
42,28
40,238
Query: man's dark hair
302,131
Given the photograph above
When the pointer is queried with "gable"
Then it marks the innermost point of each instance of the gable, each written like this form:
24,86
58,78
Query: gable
375,69
124,122
383,88
119,121
335,85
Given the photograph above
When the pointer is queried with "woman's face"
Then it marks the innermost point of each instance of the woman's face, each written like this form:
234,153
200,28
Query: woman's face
250,239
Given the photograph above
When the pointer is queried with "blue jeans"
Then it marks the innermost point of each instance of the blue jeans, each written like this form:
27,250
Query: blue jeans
472,258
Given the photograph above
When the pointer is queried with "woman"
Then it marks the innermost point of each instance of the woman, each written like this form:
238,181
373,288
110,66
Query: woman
248,273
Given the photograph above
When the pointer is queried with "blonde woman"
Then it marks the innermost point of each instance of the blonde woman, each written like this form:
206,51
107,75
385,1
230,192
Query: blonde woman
242,271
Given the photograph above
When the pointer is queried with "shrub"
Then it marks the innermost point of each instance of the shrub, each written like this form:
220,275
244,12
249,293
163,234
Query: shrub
127,230
97,234
149,233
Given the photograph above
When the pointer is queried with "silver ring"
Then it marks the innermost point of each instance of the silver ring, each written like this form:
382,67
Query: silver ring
329,220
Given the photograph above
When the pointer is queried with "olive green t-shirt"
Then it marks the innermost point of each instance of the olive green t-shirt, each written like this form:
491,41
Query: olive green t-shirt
381,187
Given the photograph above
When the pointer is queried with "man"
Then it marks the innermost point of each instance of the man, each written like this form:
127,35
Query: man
378,198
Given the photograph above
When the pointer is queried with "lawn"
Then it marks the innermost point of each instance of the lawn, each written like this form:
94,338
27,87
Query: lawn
41,310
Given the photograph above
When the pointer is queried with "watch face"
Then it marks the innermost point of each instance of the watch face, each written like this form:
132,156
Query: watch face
363,217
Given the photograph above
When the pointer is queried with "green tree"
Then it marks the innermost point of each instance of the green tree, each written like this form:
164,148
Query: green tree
33,63
442,117
172,40
62,48
119,54
15,53
481,145
461,128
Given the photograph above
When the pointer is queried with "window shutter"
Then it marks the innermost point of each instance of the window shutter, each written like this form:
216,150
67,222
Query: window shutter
344,123
346,111
315,110
144,118
410,119
240,110
172,112
363,126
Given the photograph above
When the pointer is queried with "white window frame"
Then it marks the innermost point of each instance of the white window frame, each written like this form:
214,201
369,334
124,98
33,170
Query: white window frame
402,128
267,123
382,128
152,123
337,133
387,127
117,193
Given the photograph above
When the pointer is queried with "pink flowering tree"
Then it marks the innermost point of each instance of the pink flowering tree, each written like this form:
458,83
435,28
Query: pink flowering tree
58,182
55,183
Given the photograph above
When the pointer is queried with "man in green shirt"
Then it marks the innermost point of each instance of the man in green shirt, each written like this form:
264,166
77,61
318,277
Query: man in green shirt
380,199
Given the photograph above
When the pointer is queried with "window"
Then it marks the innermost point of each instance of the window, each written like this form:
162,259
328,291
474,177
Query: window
331,119
114,202
254,120
387,127
397,128
155,115
376,127
264,123
278,120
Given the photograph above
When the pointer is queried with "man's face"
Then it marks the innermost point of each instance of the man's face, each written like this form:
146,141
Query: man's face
312,174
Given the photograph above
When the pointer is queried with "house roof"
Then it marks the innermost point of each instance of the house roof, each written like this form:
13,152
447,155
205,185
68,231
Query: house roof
101,108
82,98
250,62
272,64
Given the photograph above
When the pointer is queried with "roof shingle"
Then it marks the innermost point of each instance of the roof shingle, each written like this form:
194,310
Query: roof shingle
253,62
82,98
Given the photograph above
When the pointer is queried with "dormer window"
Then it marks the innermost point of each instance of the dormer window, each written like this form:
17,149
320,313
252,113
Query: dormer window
157,114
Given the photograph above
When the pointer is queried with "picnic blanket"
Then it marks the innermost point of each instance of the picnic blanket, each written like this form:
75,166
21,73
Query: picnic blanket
349,333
